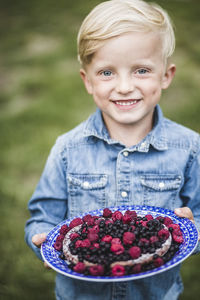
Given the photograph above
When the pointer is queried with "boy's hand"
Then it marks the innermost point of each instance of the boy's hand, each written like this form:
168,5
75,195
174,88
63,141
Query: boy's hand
37,240
185,212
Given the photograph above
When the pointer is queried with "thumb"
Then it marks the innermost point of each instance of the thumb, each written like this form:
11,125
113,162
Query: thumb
38,239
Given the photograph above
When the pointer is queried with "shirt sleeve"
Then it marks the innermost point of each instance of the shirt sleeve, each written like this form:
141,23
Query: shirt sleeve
191,190
48,205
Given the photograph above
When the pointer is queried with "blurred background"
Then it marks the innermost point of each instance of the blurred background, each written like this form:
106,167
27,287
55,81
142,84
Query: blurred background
42,96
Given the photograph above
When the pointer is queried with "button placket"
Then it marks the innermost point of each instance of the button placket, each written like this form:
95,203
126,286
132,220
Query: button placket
123,177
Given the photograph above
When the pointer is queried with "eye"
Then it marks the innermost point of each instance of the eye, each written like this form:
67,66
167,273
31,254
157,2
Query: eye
106,73
142,71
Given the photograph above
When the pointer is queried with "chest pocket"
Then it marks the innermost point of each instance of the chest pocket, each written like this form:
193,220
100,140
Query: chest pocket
161,190
86,192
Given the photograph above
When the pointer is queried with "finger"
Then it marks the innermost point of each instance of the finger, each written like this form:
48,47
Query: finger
184,212
46,266
38,239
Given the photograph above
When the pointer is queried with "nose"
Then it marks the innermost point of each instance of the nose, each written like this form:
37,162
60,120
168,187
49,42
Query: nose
125,84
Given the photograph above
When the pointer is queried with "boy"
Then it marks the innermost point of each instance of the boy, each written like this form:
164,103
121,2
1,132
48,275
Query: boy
126,152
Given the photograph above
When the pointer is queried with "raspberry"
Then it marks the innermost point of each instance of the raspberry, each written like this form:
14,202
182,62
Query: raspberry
177,239
137,268
135,252
92,237
85,243
94,229
158,262
149,217
128,238
64,229
96,270
91,222
117,248
60,237
108,222
131,213
75,222
163,234
96,245
107,239
174,226
107,213
117,215
126,219
153,239
78,244
167,221
177,231
118,270
73,236
79,267
116,241
58,245
143,242
86,218
144,223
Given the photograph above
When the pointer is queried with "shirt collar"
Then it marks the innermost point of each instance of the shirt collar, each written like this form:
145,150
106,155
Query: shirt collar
95,127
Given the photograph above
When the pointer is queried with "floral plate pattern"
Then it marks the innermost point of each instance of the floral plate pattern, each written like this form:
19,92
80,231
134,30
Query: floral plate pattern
190,235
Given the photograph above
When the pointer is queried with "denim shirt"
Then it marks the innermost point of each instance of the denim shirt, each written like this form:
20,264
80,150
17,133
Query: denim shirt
87,170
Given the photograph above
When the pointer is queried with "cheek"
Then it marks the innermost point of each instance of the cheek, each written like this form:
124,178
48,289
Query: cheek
153,88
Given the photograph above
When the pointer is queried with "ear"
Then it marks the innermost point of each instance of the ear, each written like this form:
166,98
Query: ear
168,76
86,81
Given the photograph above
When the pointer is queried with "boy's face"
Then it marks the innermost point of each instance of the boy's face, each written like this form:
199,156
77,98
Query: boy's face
126,77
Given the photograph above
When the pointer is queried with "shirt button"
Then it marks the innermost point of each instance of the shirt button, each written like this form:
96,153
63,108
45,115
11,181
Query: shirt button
124,194
125,153
161,184
86,184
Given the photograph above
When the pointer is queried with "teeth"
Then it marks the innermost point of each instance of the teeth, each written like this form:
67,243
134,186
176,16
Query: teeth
126,103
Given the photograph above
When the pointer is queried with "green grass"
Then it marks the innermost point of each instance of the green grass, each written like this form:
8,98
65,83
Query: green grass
42,97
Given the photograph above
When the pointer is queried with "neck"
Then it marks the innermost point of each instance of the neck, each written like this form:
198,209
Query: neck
129,134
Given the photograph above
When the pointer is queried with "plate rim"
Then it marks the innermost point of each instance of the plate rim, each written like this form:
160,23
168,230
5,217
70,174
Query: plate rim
141,208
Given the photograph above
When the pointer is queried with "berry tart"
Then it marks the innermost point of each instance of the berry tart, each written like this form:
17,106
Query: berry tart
118,244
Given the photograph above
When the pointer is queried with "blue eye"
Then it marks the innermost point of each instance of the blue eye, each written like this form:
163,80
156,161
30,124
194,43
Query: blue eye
142,71
107,73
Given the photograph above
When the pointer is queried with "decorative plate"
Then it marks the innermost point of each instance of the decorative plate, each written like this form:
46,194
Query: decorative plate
190,234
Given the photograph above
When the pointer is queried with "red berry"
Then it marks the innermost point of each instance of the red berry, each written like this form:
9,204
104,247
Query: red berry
60,237
131,213
107,238
96,270
135,252
163,234
58,245
116,241
86,218
92,237
118,270
167,221
86,243
149,217
153,239
75,222
117,248
64,229
126,219
128,238
79,267
158,262
78,244
117,215
73,236
177,238
107,213
137,268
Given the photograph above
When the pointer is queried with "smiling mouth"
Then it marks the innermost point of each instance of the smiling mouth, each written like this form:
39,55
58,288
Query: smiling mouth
126,103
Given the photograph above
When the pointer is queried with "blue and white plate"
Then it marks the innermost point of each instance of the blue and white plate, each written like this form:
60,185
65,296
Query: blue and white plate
190,234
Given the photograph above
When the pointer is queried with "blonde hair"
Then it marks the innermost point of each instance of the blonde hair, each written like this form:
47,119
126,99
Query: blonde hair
115,17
